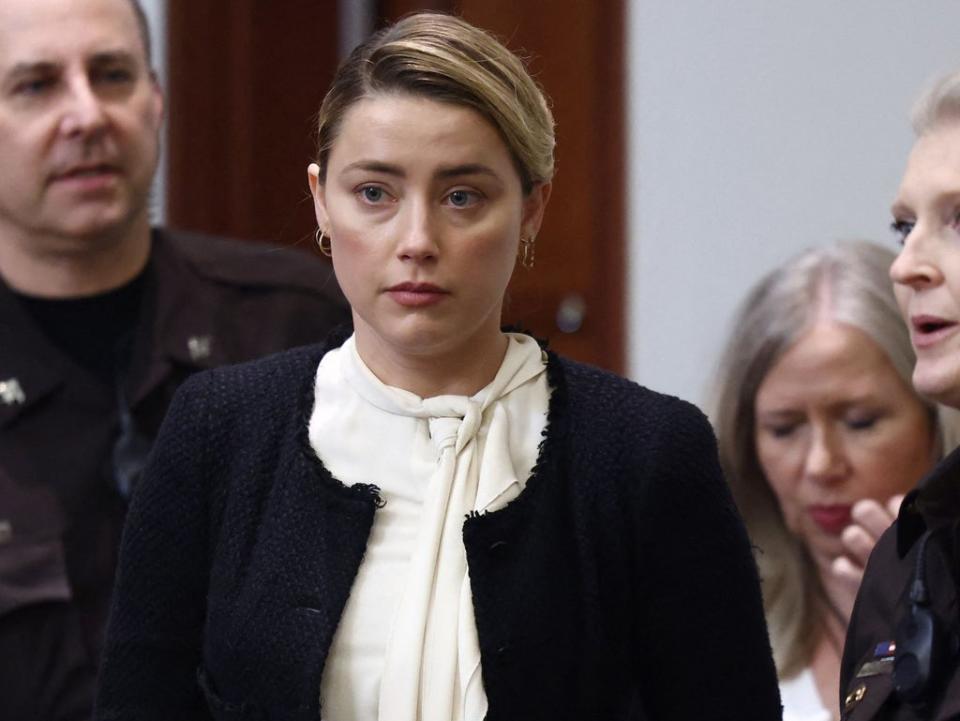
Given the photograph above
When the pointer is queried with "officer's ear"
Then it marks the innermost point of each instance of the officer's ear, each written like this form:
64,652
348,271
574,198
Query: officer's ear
317,190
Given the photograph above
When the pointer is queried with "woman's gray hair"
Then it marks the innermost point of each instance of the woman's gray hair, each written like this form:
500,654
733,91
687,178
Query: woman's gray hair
846,282
938,104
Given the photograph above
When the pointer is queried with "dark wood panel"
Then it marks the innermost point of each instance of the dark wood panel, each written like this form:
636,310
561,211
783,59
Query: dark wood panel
246,78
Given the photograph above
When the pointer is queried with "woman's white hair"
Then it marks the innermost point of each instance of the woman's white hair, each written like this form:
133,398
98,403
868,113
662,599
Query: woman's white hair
937,105
847,282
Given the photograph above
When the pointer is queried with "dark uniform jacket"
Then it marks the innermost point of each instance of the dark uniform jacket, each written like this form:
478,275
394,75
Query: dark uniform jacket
205,302
618,586
883,603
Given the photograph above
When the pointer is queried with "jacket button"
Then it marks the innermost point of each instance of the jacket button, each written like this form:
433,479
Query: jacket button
498,549
6,532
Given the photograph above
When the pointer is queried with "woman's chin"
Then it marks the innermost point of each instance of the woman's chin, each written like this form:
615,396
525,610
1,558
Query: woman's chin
938,385
824,549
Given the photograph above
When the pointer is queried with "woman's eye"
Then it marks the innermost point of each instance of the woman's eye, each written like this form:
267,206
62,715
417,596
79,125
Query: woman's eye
463,198
372,193
861,423
901,229
781,430
955,223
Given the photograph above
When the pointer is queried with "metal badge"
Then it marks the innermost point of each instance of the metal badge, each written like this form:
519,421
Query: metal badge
11,393
199,347
854,697
877,667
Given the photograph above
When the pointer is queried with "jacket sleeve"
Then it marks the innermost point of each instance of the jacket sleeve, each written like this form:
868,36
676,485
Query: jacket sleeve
703,649
154,637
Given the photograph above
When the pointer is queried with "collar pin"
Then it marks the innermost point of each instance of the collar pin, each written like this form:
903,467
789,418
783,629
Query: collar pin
11,392
199,347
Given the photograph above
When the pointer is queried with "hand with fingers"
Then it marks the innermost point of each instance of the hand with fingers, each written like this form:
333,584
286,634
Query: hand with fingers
870,519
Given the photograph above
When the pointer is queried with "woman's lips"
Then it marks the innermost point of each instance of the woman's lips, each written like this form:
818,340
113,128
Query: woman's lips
832,519
416,295
928,330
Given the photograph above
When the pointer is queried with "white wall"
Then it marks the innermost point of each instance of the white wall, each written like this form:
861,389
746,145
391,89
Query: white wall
156,11
758,128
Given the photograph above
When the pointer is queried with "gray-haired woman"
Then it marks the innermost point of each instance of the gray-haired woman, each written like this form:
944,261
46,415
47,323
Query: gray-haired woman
820,434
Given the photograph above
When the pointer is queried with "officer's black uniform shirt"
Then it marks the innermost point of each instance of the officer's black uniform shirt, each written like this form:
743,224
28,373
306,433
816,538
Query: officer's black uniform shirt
867,688
96,331
83,390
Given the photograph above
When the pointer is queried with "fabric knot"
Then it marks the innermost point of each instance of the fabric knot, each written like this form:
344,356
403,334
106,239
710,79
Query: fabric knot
443,432
452,420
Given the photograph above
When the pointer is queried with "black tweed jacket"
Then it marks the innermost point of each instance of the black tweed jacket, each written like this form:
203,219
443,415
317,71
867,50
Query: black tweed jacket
619,585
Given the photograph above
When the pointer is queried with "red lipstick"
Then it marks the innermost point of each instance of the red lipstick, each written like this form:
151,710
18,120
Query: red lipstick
831,518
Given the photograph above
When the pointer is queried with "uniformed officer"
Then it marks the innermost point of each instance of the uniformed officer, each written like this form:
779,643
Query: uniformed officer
101,319
901,656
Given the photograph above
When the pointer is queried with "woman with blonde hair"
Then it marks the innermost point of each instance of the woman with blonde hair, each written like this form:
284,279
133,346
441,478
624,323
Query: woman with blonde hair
427,517
901,659
820,434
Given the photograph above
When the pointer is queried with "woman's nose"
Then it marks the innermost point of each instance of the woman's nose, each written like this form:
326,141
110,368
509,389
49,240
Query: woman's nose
418,241
824,462
916,265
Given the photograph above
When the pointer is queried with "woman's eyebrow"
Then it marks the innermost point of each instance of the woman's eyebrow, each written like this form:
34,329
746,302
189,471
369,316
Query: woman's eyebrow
375,166
465,169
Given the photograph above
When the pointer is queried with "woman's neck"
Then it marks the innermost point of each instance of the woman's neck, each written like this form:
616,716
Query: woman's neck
825,661
461,371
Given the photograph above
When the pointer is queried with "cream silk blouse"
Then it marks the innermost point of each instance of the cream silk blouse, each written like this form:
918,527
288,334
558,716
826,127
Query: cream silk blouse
406,648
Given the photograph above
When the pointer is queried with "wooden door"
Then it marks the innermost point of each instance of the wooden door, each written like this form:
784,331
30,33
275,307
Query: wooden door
246,78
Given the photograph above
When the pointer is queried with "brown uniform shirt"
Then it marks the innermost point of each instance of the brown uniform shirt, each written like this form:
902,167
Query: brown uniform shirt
206,302
867,689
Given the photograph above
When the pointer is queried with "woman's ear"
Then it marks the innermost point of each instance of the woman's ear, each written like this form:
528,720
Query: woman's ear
533,207
317,190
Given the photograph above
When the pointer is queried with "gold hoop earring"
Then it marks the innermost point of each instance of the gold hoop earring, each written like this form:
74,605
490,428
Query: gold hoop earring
327,249
527,252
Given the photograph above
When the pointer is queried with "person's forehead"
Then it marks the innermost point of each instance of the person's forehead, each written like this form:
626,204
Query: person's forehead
54,31
940,148
397,125
831,362
932,168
